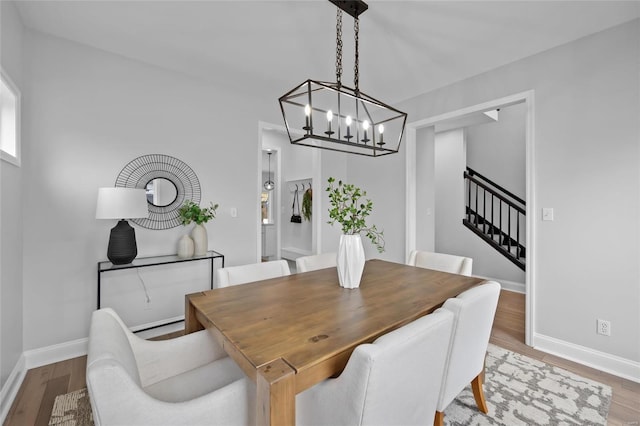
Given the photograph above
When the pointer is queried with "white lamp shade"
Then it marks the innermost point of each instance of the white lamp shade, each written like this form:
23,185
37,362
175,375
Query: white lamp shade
121,203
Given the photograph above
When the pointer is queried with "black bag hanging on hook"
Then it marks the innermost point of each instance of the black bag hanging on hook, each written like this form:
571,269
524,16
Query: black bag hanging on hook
295,218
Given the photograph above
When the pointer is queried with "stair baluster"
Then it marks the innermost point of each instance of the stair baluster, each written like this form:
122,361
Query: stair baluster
495,233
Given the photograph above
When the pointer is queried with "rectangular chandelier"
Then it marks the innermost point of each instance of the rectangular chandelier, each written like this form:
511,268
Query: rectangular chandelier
330,115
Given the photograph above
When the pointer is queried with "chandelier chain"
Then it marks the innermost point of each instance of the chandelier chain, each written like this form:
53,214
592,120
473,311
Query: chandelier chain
356,71
339,46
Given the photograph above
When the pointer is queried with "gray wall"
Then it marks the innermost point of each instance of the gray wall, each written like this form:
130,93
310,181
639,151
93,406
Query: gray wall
497,149
11,193
586,167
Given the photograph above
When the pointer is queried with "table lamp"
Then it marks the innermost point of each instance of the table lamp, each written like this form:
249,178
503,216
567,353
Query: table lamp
122,204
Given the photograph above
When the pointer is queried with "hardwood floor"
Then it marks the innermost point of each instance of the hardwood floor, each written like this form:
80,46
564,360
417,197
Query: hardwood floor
35,398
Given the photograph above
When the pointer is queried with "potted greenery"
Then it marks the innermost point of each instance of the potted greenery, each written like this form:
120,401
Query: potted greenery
192,212
350,211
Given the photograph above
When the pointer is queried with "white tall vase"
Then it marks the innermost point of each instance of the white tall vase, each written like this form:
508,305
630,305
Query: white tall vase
200,240
350,261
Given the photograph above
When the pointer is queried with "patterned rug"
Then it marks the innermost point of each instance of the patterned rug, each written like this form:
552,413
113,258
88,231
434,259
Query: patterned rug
72,409
523,391
519,391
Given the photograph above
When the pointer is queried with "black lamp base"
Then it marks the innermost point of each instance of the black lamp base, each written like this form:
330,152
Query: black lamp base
122,244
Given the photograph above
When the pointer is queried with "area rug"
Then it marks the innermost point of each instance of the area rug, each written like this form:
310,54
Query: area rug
519,391
72,409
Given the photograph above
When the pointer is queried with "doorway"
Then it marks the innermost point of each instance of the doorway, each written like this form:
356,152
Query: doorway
292,168
413,172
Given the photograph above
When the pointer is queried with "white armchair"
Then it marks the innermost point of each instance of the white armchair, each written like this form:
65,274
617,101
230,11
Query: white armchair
188,380
392,381
243,274
441,262
474,311
316,261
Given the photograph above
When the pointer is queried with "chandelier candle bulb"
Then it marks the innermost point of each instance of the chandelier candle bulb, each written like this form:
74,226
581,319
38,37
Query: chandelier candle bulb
365,127
329,120
307,114
381,131
348,123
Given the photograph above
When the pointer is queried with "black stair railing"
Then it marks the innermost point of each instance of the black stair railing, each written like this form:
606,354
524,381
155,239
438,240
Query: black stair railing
496,215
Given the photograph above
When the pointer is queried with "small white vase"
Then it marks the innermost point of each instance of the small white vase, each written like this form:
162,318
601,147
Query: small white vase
350,261
200,240
185,247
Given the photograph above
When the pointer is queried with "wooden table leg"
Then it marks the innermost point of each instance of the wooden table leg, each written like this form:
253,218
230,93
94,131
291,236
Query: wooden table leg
191,323
276,394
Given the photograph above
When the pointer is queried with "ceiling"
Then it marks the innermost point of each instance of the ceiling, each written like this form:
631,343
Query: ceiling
406,47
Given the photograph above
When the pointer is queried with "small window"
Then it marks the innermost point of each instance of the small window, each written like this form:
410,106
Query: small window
9,120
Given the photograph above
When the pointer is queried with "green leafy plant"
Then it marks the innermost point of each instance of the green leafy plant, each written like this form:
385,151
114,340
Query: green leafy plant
350,212
307,200
192,212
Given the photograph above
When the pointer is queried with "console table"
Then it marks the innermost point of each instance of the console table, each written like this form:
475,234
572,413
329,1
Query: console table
143,262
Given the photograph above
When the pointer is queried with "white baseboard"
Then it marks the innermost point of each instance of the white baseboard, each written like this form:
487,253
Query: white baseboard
602,361
507,285
292,253
11,388
55,353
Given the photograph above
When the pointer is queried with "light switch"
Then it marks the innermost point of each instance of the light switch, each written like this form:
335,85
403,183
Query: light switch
234,212
547,213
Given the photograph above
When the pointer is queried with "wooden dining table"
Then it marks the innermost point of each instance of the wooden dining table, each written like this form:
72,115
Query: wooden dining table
291,332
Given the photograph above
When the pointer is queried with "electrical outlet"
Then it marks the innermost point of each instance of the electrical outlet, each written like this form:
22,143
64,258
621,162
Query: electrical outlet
604,327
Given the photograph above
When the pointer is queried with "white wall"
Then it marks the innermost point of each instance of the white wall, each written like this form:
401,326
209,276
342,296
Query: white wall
425,189
11,309
497,149
587,167
383,179
89,113
450,161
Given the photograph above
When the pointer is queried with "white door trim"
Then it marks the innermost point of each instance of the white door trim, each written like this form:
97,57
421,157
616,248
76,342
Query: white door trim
410,195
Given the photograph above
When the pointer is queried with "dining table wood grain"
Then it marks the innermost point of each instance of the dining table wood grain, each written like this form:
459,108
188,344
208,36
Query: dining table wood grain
289,333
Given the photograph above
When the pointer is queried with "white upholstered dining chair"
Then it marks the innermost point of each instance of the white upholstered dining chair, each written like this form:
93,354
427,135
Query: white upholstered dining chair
188,380
316,261
392,381
441,262
234,275
474,311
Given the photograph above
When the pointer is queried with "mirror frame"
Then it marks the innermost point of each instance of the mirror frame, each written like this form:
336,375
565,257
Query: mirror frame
138,172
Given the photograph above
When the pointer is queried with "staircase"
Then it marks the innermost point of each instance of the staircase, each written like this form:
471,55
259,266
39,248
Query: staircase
496,215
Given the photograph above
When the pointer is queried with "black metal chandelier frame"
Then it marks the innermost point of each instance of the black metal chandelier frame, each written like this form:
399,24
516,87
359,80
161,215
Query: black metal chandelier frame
361,119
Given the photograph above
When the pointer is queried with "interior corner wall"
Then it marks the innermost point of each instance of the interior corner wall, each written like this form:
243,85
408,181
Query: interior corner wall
88,113
587,167
11,298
